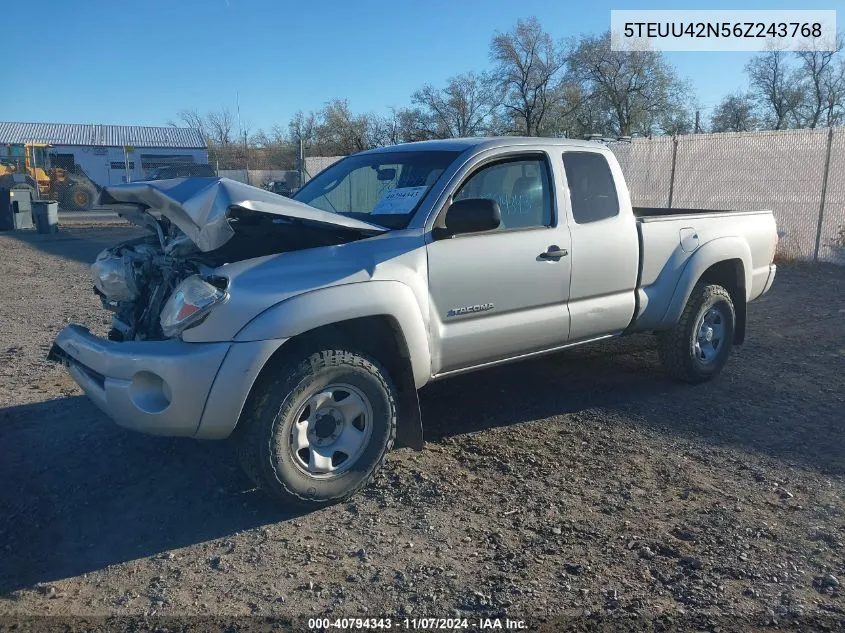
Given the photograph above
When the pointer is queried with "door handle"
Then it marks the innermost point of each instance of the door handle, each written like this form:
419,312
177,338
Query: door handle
554,253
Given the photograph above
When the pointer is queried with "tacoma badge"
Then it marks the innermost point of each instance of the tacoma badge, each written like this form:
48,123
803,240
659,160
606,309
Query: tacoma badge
481,307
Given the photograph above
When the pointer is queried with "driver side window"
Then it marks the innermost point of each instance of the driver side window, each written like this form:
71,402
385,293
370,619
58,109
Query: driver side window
521,187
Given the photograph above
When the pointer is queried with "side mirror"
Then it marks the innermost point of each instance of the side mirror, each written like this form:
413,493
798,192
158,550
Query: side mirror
472,215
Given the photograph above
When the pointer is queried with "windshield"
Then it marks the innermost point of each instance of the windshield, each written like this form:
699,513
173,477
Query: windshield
40,156
384,188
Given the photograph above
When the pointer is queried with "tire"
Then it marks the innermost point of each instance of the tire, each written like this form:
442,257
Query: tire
686,351
79,197
270,436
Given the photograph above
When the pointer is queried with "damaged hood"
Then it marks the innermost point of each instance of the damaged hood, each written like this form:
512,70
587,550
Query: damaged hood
200,207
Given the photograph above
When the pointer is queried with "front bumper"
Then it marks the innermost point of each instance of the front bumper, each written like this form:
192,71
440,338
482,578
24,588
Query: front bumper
157,387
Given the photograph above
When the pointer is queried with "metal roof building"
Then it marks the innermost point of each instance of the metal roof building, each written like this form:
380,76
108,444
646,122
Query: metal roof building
97,135
106,154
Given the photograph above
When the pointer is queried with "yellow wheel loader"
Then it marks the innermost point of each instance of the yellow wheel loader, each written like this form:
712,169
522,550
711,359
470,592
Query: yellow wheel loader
28,166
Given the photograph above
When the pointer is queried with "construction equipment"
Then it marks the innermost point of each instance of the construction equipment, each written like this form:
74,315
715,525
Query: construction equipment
28,166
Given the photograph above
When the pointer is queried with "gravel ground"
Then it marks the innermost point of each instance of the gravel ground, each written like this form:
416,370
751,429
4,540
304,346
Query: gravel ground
584,485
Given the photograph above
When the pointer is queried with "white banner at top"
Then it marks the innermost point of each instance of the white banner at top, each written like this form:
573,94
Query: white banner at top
722,30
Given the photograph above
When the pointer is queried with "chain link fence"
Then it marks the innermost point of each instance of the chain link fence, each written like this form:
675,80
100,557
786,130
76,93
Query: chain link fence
798,174
292,178
262,177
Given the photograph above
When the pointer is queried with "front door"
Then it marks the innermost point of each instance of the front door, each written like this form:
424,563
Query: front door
502,293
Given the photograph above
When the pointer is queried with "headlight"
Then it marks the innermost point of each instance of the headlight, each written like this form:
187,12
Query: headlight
189,304
114,277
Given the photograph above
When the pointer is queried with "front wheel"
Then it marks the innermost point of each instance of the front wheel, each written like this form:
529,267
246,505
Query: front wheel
697,348
316,430
80,197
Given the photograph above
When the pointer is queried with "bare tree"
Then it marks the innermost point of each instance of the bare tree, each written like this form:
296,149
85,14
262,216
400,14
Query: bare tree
384,130
339,131
413,124
735,113
679,118
378,129
528,67
277,134
775,88
271,150
245,131
834,91
461,108
190,118
638,89
220,126
575,113
822,88
336,130
302,127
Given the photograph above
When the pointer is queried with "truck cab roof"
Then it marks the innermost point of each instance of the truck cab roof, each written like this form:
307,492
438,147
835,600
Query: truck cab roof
483,143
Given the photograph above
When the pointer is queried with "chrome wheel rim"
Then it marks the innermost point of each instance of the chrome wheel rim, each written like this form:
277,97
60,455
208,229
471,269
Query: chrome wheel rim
331,431
710,336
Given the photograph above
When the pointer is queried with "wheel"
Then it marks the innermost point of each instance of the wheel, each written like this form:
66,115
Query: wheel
698,346
80,197
318,428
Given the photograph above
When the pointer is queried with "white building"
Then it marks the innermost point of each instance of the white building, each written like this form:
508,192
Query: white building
103,152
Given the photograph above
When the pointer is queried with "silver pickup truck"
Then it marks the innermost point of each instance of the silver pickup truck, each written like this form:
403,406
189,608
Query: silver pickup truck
303,328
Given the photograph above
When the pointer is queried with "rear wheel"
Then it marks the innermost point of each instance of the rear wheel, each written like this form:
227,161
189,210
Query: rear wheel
316,430
697,348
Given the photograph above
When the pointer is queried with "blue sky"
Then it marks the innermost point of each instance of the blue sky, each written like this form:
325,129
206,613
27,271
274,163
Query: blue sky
140,62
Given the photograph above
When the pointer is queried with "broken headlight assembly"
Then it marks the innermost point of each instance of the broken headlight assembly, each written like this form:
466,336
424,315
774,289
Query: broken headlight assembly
114,277
190,303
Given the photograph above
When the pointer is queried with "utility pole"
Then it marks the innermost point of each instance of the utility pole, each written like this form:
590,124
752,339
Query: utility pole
127,150
301,161
823,197
238,106
672,174
243,133
697,122
246,156
37,192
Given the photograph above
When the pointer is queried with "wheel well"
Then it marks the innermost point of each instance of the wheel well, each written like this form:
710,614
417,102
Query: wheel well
378,336
730,274
381,338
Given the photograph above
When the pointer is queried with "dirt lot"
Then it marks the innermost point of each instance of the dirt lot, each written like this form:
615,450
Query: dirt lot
579,486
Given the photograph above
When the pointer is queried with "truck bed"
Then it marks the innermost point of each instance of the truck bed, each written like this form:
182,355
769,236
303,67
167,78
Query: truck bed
669,237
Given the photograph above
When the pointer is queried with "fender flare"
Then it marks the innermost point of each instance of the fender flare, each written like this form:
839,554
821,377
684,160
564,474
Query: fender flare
713,252
308,311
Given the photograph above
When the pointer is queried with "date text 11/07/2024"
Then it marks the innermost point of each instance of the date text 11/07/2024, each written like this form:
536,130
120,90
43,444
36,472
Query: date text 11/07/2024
411,624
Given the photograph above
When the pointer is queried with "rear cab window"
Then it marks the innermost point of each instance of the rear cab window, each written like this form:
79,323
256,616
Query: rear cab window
592,190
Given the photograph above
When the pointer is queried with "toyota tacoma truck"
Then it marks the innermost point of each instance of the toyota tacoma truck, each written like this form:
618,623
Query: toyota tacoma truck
303,328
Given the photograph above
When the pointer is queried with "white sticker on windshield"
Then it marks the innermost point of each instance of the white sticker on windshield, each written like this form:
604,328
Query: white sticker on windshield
399,200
